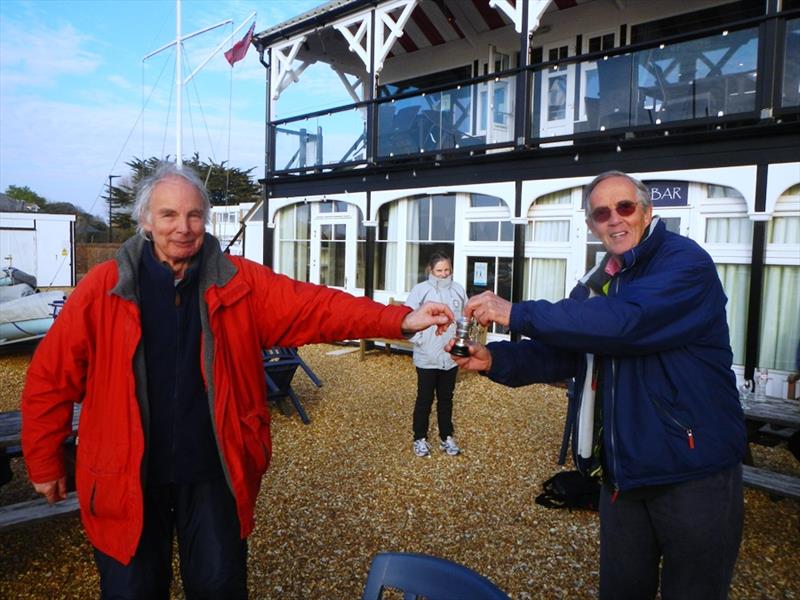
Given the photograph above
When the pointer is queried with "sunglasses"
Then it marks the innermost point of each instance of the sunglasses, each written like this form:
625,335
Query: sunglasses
601,214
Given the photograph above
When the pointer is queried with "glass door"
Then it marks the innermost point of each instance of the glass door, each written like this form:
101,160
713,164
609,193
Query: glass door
557,93
494,102
491,273
334,232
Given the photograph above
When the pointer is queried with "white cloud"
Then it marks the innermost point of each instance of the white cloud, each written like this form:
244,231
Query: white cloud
65,152
35,54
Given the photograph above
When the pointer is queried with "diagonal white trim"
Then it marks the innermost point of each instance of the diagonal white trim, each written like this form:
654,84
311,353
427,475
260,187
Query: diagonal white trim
536,9
283,72
359,42
383,20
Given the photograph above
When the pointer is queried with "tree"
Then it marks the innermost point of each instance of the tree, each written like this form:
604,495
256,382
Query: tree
26,194
88,228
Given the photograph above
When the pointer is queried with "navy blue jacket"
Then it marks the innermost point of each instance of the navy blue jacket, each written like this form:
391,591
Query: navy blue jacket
670,406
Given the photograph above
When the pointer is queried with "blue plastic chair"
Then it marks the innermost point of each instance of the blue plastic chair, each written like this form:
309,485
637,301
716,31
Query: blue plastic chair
420,575
280,364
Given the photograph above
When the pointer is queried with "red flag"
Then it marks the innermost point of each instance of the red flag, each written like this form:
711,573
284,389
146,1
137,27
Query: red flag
240,48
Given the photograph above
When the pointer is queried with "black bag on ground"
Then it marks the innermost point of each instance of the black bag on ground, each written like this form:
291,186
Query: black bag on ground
570,489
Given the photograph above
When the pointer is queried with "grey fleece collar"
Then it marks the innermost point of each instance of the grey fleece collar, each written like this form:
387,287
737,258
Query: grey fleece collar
216,270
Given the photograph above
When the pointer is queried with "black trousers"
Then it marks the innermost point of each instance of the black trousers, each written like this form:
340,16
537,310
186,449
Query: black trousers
691,529
442,383
213,557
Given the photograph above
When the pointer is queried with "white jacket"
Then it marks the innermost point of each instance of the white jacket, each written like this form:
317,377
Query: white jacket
428,347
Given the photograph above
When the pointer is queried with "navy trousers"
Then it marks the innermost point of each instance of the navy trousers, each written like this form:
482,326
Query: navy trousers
442,383
213,557
692,529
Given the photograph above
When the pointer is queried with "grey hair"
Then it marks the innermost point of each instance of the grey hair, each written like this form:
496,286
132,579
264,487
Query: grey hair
163,171
642,191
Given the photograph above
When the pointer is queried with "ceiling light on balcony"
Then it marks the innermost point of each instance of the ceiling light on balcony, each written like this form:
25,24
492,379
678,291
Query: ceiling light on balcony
576,157
658,121
619,148
721,113
456,145
602,127
724,33
661,47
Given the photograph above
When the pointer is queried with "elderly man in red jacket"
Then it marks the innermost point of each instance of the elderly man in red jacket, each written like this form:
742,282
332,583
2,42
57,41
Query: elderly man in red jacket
163,348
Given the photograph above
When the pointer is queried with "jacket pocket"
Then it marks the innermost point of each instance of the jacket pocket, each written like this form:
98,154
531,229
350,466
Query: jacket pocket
102,496
673,421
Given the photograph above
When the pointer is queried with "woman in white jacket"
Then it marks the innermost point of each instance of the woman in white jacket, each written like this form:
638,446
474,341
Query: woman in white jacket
436,371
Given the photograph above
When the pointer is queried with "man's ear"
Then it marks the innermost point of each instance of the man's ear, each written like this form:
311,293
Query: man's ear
648,216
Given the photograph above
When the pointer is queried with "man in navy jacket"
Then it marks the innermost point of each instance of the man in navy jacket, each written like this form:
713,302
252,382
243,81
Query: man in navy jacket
645,336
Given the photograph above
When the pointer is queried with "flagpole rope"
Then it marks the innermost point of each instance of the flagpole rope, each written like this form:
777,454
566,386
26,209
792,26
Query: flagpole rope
139,118
169,110
230,125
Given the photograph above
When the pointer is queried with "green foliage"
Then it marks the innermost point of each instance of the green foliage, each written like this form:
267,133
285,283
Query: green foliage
26,194
224,185
88,228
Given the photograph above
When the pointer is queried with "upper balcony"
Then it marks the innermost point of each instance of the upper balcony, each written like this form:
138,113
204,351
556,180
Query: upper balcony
709,80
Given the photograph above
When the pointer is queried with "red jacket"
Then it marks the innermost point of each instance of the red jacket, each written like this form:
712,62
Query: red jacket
93,354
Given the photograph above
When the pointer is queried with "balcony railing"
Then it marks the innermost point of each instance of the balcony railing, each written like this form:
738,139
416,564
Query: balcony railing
713,78
470,114
710,77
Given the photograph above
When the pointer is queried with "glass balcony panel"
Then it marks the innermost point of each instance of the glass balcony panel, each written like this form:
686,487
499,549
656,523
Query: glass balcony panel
790,90
458,117
330,139
709,77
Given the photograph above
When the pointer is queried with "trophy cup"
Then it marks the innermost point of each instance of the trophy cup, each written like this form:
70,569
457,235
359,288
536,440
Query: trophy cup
462,338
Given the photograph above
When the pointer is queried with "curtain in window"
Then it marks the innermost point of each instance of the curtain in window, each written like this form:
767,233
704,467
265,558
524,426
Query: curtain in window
545,278
785,230
386,264
736,283
551,231
780,320
415,208
729,230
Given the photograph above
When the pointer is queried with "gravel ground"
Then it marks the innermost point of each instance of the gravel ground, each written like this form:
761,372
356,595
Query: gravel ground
347,486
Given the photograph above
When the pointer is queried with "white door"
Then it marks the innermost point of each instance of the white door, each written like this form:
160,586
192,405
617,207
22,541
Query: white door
557,94
334,232
495,100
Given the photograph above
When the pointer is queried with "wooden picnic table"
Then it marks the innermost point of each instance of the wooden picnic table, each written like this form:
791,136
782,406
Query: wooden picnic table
776,412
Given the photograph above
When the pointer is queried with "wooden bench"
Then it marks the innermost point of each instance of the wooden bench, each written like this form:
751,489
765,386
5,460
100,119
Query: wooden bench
31,511
20,513
768,419
773,483
367,343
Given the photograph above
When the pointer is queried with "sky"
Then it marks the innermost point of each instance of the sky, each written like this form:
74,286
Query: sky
77,101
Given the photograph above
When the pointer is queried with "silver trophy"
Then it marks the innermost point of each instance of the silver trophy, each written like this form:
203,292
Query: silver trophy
462,337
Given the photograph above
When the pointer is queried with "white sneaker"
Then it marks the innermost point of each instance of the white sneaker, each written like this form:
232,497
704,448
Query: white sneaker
422,448
449,445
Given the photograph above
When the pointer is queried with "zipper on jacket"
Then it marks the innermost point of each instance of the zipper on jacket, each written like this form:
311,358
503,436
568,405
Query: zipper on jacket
687,429
612,420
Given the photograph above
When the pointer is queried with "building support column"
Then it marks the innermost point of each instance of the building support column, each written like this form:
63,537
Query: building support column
754,304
